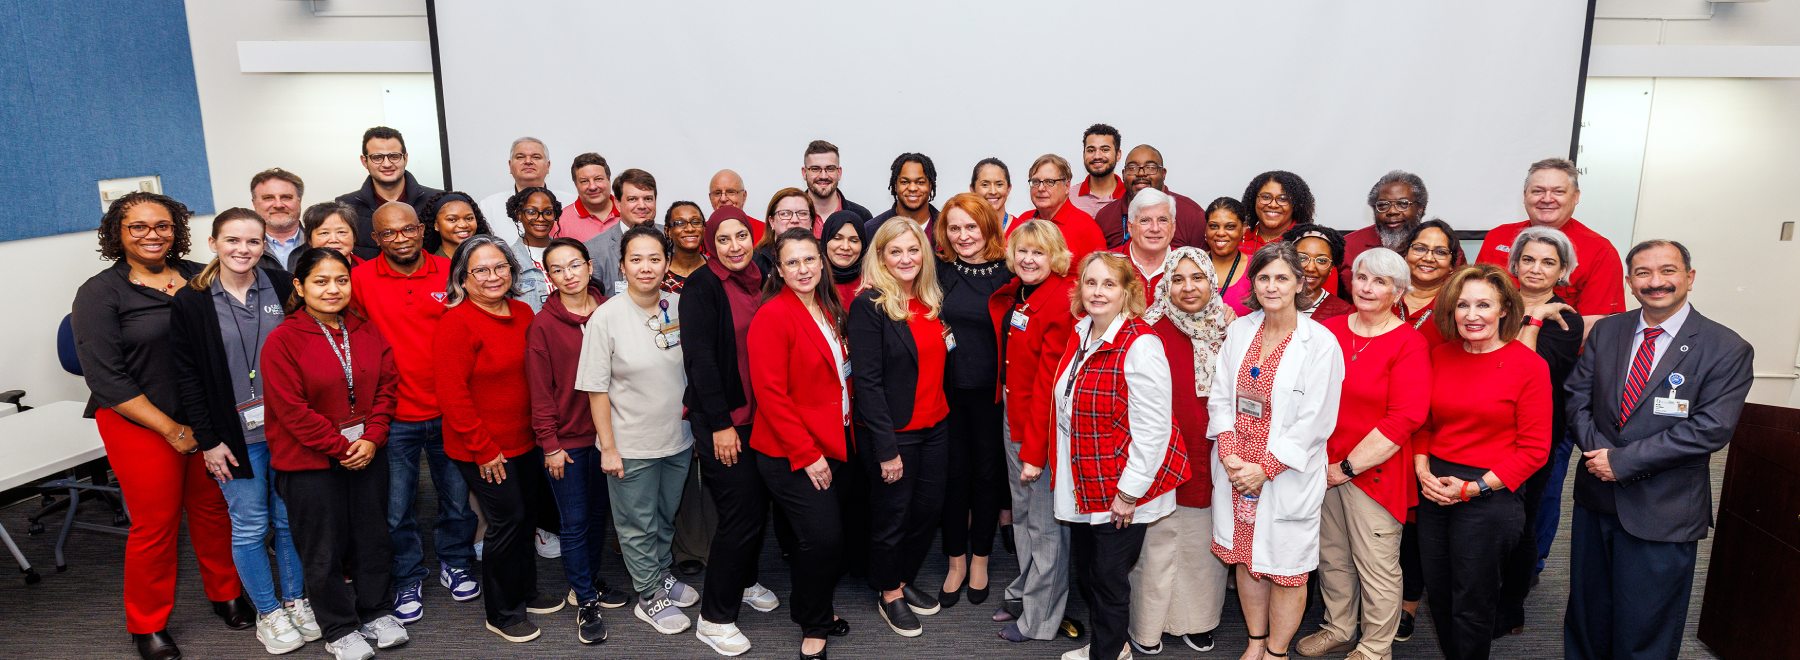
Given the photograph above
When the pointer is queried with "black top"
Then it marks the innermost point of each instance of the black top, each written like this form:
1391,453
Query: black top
847,205
208,403
709,352
365,201
121,337
1560,348
874,224
974,365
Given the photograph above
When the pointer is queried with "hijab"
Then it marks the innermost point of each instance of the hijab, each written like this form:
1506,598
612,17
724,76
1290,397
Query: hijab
1207,327
833,225
743,288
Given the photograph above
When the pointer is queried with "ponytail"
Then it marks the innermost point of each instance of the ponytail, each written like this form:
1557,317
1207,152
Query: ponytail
210,274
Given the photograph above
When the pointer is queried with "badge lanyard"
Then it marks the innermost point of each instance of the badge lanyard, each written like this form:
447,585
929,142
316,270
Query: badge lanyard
250,345
343,357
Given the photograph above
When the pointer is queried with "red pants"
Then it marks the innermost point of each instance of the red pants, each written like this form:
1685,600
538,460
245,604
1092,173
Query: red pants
158,483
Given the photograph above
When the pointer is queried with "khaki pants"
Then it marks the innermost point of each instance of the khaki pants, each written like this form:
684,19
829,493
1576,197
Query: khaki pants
1359,568
1178,586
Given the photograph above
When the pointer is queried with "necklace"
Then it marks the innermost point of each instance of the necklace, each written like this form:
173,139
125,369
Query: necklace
166,288
1373,333
976,271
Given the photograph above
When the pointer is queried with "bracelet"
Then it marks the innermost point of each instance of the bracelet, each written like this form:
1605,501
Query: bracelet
1128,499
1464,491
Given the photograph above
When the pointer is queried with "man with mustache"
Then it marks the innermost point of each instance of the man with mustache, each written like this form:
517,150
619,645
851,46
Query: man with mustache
1398,200
820,169
1099,154
528,162
276,194
1552,189
1144,169
384,156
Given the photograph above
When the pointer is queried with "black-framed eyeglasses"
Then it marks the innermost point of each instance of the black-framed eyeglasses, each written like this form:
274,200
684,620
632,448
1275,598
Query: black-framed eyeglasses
386,158
696,222
140,231
1146,168
529,212
1282,199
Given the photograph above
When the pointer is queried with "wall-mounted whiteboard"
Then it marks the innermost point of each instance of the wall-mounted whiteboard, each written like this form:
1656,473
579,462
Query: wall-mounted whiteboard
1465,94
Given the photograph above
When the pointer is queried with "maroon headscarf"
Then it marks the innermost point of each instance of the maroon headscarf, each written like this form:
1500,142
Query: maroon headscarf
742,287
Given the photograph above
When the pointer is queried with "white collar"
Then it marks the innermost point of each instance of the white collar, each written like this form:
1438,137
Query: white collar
1670,326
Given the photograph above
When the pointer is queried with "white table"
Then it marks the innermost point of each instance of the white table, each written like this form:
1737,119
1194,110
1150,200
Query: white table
45,441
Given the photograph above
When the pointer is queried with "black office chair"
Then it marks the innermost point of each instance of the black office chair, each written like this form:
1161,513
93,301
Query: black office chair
96,471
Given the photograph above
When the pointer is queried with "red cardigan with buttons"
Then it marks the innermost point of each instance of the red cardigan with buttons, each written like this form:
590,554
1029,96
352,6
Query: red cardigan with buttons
799,403
1029,362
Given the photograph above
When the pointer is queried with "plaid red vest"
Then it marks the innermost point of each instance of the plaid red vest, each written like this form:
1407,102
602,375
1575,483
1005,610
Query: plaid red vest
1100,431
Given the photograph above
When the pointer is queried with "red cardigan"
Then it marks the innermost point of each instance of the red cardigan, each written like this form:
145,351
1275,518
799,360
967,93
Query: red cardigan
1489,410
1030,358
1386,388
481,382
799,404
305,396
1190,413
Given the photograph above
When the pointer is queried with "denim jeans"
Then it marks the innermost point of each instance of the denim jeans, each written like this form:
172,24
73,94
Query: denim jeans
1549,515
582,500
254,508
454,538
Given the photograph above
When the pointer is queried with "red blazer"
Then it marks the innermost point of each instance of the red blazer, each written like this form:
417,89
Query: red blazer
1030,360
799,404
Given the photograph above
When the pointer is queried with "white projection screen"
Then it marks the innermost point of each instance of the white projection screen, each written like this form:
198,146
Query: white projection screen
1464,94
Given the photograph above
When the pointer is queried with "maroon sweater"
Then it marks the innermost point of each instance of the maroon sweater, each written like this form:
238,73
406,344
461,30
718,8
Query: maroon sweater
481,382
306,399
1190,413
560,417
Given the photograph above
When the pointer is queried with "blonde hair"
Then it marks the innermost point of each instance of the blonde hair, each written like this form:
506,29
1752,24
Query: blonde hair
1047,237
1121,268
876,277
1061,164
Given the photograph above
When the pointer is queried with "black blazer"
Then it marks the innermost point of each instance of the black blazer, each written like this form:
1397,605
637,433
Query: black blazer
884,365
202,372
1664,487
709,353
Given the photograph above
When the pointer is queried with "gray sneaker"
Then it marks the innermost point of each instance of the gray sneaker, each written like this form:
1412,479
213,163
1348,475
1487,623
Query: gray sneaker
662,614
679,592
350,647
387,632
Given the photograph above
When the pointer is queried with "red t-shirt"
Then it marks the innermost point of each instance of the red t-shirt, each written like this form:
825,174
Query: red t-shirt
929,405
1387,387
481,382
406,309
1596,287
1489,410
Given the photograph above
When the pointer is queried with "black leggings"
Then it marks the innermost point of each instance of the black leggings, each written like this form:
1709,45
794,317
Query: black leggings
976,479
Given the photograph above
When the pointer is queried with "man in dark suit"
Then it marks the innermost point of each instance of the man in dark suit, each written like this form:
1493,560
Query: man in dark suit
1655,393
384,156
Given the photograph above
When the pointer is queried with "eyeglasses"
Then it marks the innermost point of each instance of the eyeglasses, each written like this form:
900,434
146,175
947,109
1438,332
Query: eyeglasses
140,230
1278,200
1321,260
726,192
557,271
1146,168
816,170
696,222
1401,204
529,212
801,262
793,215
1422,249
409,231
485,272
1044,183
386,158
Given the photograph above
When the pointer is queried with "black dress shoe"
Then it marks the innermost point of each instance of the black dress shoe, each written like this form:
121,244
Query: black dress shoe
156,646
690,567
237,614
920,602
978,596
1406,627
948,598
839,628
899,616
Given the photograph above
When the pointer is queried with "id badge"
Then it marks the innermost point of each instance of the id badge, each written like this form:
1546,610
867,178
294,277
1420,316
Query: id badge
668,340
949,340
250,413
844,369
1670,407
352,431
1250,404
1019,319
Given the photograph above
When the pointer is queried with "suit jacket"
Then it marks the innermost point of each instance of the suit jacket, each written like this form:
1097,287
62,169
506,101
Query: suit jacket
799,407
365,201
884,362
1664,487
208,403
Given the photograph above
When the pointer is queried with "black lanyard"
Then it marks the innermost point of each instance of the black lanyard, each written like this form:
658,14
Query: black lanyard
343,357
250,345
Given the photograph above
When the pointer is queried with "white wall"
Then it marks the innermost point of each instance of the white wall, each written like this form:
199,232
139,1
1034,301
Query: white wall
307,123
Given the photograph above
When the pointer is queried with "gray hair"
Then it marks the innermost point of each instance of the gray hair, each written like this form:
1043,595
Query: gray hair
1565,251
1147,198
1382,262
1417,185
459,268
1563,165
523,140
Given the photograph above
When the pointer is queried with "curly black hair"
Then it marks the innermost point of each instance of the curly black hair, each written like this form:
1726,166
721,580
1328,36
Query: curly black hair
429,212
1291,185
112,243
1334,240
900,161
517,202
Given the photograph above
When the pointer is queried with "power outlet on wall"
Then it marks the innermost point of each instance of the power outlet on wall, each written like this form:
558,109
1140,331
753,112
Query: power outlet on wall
112,189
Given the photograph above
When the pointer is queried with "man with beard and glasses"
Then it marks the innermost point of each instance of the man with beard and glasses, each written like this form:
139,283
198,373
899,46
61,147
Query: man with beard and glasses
822,172
1144,168
912,180
276,194
384,156
1100,155
1398,200
528,163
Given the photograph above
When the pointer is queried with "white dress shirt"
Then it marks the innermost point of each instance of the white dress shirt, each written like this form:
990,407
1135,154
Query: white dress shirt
1149,412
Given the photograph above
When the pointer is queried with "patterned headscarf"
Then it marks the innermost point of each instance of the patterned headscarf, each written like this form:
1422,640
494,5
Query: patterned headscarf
1206,328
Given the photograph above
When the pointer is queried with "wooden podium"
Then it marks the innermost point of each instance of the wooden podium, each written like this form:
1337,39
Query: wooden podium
1748,610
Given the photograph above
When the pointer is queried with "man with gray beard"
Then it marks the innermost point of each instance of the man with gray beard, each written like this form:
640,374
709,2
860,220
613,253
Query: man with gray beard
1398,201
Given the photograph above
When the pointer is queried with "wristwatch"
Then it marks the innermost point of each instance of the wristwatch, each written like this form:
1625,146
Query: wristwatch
1481,488
1345,466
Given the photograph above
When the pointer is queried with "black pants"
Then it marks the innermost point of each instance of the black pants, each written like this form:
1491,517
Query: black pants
1104,557
818,538
904,515
1520,565
1462,547
509,556
339,521
1628,597
743,505
976,479
1412,574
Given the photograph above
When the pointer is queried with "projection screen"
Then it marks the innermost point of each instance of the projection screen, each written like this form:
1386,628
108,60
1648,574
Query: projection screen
1464,94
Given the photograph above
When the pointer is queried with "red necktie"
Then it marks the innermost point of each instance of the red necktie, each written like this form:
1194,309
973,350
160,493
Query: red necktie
1640,373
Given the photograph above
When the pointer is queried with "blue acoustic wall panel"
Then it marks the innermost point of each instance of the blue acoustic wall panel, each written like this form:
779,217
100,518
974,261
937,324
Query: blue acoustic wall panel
90,91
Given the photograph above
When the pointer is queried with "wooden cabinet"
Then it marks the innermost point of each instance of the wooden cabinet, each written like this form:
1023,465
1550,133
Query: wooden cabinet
1748,610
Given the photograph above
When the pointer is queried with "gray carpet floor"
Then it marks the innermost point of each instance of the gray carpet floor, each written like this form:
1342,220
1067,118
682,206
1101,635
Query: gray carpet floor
78,614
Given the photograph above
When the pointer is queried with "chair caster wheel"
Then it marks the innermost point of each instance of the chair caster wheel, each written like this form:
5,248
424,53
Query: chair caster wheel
32,577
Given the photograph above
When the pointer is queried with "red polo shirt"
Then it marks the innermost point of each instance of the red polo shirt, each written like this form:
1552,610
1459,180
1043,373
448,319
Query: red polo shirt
580,224
1596,287
406,309
1078,230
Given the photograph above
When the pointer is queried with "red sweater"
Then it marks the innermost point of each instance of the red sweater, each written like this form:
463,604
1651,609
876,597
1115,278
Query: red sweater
1489,410
1190,414
306,398
929,404
1596,288
1387,387
1078,231
480,361
560,417
1027,366
406,308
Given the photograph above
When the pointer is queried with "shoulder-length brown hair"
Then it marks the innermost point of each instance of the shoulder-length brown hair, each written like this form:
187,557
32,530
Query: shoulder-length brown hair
1512,306
1120,267
993,246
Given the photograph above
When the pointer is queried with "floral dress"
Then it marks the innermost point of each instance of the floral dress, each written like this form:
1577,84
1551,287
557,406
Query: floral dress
1249,439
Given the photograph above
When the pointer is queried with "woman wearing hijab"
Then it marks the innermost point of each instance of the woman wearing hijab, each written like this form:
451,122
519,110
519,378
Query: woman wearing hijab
846,241
1178,587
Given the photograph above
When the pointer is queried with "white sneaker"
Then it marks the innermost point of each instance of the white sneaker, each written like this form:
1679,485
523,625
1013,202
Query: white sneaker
662,614
387,632
300,612
759,598
277,633
350,647
549,546
1082,653
722,637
